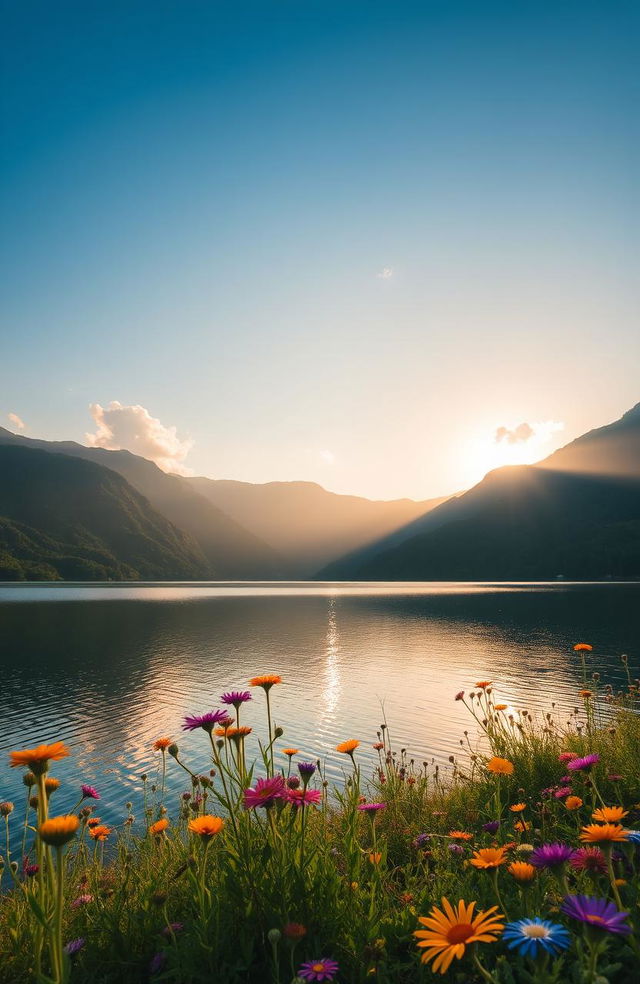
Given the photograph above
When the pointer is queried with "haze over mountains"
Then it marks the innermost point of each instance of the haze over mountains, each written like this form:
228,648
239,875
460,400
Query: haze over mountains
72,512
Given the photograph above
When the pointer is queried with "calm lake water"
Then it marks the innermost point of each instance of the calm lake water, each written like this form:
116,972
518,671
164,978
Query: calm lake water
109,669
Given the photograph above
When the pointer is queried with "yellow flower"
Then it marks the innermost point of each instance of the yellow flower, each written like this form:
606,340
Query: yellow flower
500,766
206,827
489,857
347,747
594,833
573,802
450,931
522,871
266,682
610,814
158,827
58,830
518,807
37,759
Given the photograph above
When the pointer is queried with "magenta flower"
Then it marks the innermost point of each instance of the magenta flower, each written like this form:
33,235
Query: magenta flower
235,697
567,756
172,929
88,792
584,764
293,782
562,792
318,970
598,913
371,807
265,793
459,695
303,797
589,859
551,855
206,721
81,900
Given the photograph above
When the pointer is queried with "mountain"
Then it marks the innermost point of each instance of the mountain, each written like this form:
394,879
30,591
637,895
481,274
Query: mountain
65,518
577,513
229,550
305,523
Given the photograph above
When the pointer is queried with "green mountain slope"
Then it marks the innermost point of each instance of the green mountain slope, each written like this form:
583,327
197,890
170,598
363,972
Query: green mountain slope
62,517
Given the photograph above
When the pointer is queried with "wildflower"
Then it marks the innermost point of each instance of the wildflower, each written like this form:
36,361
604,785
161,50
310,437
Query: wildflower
375,858
460,835
293,782
74,946
306,769
584,764
157,962
378,745
294,931
290,751
100,832
582,647
347,747
551,855
492,826
161,744
489,857
522,871
518,807
172,929
483,684
303,797
598,913
318,970
93,821
58,830
37,759
31,870
567,756
158,827
206,827
88,792
421,840
573,802
51,784
266,682
265,793
450,931
531,937
455,848
235,698
589,859
562,792
633,836
206,721
614,777
610,814
371,808
459,695
594,833
524,848
84,899
6,808
500,766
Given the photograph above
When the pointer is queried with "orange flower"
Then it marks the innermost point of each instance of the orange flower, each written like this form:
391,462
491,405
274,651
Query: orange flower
159,827
594,833
489,857
221,732
294,931
161,744
450,931
266,682
291,752
501,707
610,814
500,766
521,826
100,832
58,830
518,807
586,694
347,747
206,827
522,871
37,759
582,647
460,835
238,733
375,858
93,821
483,684
51,784
573,803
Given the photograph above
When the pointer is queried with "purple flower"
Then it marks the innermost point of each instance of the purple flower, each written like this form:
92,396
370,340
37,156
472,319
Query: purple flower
551,855
455,848
306,769
235,697
88,792
157,962
421,840
318,970
562,792
265,793
74,946
584,764
206,721
81,900
492,827
172,929
31,870
599,913
371,807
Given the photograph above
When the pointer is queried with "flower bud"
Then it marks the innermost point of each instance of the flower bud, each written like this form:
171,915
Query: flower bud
173,750
6,808
274,936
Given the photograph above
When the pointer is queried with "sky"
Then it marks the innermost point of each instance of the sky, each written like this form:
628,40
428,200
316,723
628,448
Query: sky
383,246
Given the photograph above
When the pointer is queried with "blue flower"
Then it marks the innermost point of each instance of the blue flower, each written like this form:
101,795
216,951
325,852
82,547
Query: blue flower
633,836
533,936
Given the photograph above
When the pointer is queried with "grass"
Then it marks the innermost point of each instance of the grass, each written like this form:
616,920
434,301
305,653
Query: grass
274,890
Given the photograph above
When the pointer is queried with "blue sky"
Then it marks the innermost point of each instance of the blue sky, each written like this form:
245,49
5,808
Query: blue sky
334,241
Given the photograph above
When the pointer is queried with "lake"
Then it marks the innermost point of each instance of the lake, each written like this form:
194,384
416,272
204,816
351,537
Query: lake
110,668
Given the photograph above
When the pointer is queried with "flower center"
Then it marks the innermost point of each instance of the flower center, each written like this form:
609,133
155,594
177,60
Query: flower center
594,919
460,933
535,932
318,968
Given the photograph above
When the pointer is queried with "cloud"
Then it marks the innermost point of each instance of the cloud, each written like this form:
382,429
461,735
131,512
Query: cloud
524,432
134,429
17,421
385,274
328,457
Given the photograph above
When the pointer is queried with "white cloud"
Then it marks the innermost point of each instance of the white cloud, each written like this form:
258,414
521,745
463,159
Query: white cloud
17,421
385,274
537,433
133,429
523,432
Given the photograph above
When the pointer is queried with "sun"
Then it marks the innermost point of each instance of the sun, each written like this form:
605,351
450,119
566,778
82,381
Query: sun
482,452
